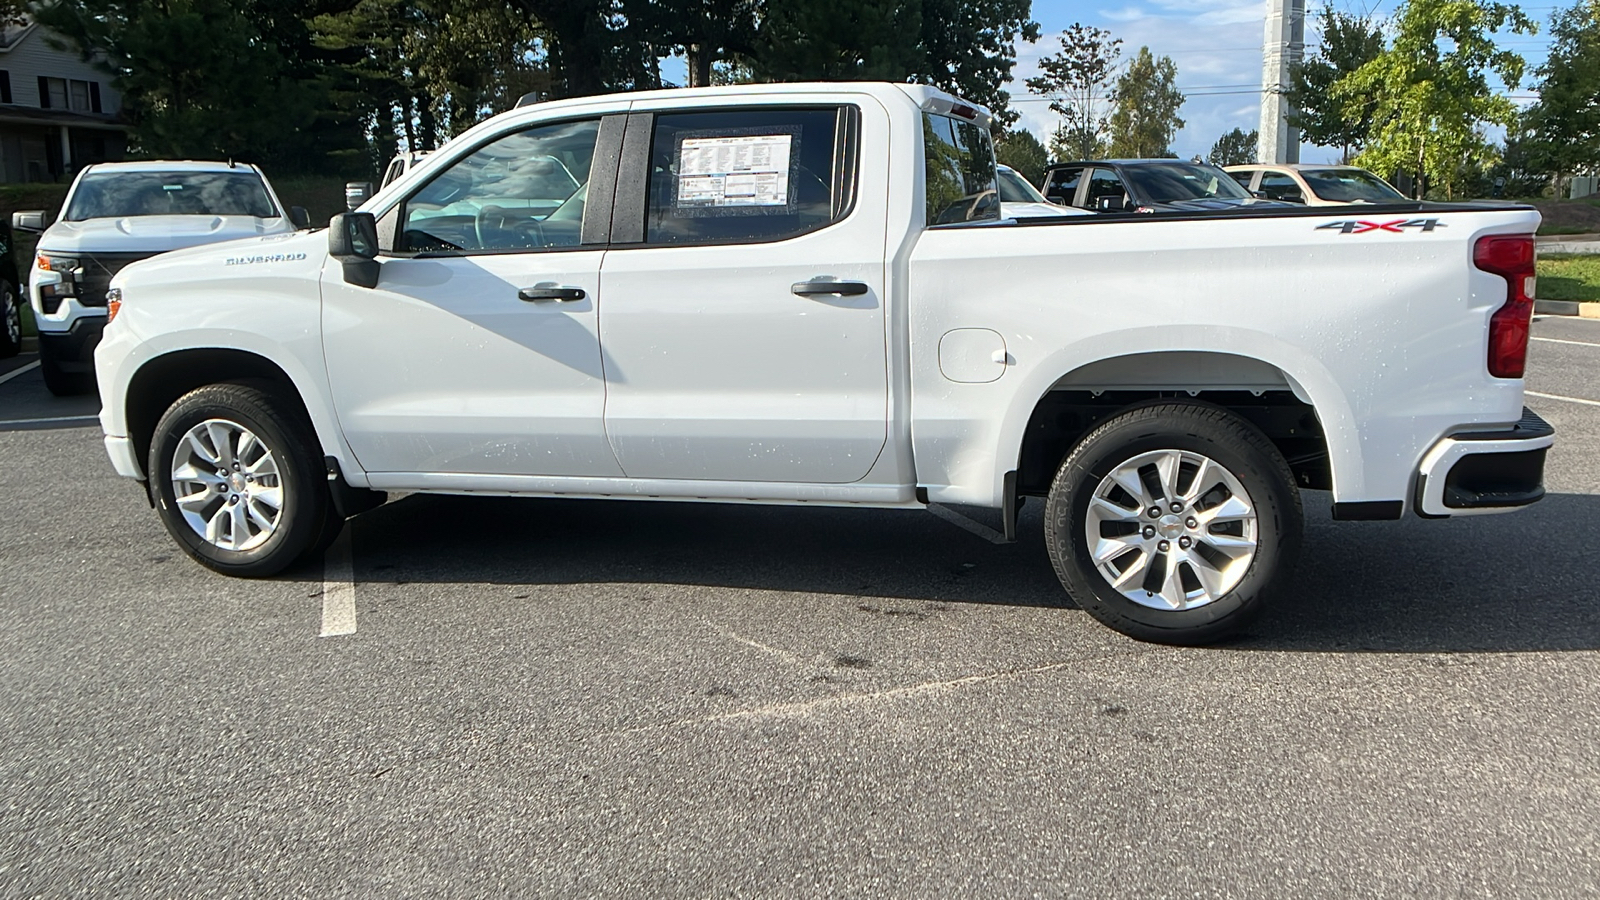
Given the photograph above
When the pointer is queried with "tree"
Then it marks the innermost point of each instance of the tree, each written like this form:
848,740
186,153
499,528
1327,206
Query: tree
1430,93
1020,150
1078,80
966,47
1349,42
705,32
1145,118
1563,126
1066,144
1236,148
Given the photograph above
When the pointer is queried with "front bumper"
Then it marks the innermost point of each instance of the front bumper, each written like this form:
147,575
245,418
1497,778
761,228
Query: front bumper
73,349
1482,472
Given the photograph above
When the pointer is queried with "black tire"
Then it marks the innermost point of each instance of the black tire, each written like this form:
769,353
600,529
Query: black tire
10,320
1209,431
282,429
332,527
60,383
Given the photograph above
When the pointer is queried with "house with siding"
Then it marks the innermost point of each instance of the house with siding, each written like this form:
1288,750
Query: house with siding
58,112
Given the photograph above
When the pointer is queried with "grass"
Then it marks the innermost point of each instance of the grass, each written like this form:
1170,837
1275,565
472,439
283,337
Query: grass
1569,277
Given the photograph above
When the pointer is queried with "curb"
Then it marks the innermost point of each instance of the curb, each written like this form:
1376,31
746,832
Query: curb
1556,307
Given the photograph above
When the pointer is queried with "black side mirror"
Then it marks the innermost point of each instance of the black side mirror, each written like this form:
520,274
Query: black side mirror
32,220
353,241
1114,203
299,218
357,193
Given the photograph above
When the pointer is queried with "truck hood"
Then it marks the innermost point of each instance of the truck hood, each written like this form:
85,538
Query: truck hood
154,234
294,254
1029,209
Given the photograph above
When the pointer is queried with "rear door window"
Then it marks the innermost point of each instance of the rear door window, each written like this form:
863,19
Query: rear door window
1062,185
1103,183
1278,186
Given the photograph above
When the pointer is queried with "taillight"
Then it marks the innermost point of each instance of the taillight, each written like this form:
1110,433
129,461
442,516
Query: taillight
1511,257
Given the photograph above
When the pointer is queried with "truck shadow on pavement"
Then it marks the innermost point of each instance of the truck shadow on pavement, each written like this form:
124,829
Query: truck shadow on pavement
1529,581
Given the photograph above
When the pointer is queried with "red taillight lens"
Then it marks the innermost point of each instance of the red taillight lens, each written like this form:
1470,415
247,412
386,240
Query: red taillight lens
1511,257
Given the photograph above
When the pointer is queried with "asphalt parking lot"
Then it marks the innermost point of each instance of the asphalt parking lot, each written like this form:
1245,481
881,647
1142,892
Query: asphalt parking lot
632,699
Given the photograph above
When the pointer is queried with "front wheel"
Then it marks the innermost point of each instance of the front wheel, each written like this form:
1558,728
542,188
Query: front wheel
1173,523
10,321
236,481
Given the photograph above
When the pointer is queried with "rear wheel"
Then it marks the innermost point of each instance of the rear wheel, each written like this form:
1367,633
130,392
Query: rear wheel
236,481
1173,523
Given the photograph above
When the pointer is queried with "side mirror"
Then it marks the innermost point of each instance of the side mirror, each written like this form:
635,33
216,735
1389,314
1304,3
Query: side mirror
299,218
32,220
357,193
353,241
1114,203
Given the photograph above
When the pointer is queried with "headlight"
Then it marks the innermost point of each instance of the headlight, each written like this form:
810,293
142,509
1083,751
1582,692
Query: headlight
63,264
113,303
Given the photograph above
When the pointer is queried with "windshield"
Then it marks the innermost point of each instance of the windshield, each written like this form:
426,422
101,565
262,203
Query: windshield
1176,181
1016,189
1350,185
115,195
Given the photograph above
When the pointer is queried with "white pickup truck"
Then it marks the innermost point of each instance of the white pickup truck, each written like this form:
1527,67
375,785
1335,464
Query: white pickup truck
805,294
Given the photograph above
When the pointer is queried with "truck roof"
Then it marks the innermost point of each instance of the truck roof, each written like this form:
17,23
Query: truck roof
172,165
925,96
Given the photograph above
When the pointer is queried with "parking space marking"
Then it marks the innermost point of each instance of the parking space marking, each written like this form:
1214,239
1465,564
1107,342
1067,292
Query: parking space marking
1559,397
18,371
1560,341
966,524
338,589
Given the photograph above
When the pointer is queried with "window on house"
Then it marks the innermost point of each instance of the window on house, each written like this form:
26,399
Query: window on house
53,93
5,86
80,96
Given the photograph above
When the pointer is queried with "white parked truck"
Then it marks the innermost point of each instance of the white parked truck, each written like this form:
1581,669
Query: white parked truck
117,213
798,294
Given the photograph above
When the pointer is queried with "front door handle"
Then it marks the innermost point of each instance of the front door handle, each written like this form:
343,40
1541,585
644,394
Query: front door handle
820,287
558,294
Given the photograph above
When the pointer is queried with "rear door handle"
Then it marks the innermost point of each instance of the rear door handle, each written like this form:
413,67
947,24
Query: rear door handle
558,294
828,288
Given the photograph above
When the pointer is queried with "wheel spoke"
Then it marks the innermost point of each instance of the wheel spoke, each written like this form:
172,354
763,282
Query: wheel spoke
1111,548
218,432
198,500
1168,466
199,448
188,474
272,497
1232,508
1134,574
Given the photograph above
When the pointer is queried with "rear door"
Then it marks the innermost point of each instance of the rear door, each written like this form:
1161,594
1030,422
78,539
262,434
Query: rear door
744,328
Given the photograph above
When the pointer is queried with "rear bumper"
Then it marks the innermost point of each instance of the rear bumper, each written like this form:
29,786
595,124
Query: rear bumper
1482,472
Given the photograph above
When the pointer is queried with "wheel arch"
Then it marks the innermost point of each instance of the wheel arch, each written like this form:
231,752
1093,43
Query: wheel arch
162,379
1300,409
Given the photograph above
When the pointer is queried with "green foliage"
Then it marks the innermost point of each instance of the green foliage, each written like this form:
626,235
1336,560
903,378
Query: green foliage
1020,150
1429,92
1569,277
1147,102
1348,42
1563,126
1078,80
962,46
1236,148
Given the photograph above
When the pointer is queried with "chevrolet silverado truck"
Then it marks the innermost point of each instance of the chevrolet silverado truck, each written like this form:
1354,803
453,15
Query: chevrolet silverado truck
116,213
741,294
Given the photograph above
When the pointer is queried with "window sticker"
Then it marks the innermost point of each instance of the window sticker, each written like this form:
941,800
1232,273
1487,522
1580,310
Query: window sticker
731,173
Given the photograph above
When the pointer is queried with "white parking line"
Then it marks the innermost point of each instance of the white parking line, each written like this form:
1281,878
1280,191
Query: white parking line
1559,397
338,589
18,371
1560,341
84,419
966,524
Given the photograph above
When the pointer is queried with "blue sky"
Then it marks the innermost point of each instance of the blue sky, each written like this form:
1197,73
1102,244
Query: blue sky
1216,45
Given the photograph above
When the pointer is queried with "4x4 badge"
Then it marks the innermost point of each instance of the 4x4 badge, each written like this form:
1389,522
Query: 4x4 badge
1361,226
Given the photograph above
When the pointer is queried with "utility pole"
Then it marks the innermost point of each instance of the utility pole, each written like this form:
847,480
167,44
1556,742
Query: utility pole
1282,48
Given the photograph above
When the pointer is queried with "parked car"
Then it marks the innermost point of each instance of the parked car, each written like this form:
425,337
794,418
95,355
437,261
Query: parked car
10,296
118,213
1019,199
1315,185
785,323
401,164
1146,185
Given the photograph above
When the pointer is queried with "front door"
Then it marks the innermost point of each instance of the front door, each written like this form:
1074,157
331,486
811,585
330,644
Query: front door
478,352
744,332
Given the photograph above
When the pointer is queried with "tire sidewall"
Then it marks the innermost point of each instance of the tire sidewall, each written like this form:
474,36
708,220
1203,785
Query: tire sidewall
301,521
1264,478
10,314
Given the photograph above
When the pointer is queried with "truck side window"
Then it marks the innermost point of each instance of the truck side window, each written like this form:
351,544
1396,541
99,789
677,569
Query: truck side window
1243,177
749,175
959,160
1103,183
1278,186
1063,185
522,191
